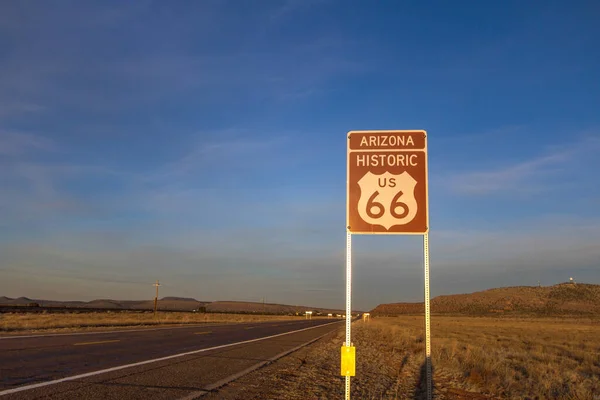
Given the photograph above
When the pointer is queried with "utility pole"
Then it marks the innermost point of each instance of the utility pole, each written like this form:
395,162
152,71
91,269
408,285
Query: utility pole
156,297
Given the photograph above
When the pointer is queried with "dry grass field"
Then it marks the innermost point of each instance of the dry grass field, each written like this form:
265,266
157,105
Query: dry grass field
514,358
19,323
473,358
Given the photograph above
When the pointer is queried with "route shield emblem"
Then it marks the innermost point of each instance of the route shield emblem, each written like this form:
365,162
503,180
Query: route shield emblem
387,199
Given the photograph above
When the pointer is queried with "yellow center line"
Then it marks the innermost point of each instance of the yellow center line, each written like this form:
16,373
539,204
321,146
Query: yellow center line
250,327
104,341
202,333
274,325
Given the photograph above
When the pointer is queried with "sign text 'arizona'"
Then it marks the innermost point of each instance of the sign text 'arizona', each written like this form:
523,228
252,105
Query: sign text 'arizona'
387,182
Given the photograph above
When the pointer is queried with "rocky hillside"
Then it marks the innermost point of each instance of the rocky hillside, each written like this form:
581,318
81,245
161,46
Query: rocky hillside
561,299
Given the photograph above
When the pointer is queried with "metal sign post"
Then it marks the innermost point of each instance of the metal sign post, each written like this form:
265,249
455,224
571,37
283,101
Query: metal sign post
427,317
386,193
348,351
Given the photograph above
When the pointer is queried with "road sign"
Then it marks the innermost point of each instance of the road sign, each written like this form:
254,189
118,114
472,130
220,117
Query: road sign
387,182
386,193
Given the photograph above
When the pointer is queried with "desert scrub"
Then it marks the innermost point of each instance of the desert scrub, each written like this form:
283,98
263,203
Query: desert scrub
513,358
387,366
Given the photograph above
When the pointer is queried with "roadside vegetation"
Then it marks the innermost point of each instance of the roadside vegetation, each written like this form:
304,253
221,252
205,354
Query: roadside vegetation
514,358
28,322
473,358
508,358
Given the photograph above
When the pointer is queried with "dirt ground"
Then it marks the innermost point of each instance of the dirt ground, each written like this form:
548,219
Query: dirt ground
473,358
385,369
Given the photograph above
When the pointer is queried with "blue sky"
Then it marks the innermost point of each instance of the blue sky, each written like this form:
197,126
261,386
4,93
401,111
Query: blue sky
204,144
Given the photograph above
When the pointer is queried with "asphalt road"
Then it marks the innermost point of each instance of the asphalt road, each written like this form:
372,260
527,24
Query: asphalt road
168,363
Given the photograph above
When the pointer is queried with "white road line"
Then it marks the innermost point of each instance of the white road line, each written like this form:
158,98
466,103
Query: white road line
213,386
194,395
104,371
208,324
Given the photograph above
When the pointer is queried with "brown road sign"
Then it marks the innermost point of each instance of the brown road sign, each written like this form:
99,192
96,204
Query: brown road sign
387,191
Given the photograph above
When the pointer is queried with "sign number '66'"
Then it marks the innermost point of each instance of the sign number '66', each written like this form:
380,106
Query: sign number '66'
387,199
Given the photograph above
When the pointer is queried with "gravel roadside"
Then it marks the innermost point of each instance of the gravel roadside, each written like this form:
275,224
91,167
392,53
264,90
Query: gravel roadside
386,369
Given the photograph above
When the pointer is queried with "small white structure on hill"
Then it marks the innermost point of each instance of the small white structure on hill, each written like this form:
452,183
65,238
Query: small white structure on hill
308,314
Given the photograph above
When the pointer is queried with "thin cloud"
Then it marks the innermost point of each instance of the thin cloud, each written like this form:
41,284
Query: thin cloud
550,242
33,191
8,109
523,177
504,132
233,151
14,143
507,178
291,7
58,66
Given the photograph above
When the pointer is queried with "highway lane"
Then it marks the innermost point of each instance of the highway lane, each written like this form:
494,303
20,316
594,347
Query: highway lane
31,360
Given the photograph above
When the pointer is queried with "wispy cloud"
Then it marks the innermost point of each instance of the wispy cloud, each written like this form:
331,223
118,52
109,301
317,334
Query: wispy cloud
43,72
485,136
8,109
290,7
33,193
204,185
524,177
511,177
227,150
14,143
35,184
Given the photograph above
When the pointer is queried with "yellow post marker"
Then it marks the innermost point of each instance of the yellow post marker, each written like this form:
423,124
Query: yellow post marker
348,361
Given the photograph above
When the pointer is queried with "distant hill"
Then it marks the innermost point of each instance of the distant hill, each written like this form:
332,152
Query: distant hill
172,304
24,299
179,298
562,299
19,301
